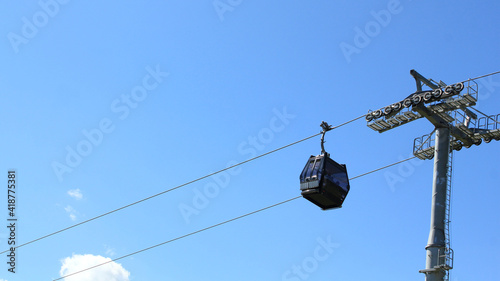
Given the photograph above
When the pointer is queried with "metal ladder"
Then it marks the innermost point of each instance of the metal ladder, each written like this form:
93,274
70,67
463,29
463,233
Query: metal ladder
448,252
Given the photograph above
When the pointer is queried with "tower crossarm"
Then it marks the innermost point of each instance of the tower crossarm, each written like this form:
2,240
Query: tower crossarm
421,79
435,119
439,122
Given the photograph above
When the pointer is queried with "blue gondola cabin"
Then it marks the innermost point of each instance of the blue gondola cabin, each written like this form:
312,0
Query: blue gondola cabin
324,182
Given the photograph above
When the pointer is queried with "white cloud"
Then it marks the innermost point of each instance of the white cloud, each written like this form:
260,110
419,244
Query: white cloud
71,212
75,193
111,271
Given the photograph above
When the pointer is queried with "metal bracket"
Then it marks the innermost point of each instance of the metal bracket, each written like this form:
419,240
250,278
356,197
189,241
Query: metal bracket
325,128
419,79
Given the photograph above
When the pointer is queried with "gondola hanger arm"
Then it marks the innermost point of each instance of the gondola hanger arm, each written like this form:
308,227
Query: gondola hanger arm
325,128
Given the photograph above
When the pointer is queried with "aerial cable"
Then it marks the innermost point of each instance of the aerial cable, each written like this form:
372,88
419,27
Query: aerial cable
216,225
180,237
482,76
489,117
158,194
179,186
384,167
198,179
206,176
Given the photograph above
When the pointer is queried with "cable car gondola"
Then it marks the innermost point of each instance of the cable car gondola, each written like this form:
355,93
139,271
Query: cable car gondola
323,181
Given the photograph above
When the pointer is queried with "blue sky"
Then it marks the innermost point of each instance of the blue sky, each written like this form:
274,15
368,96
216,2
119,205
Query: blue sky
103,104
